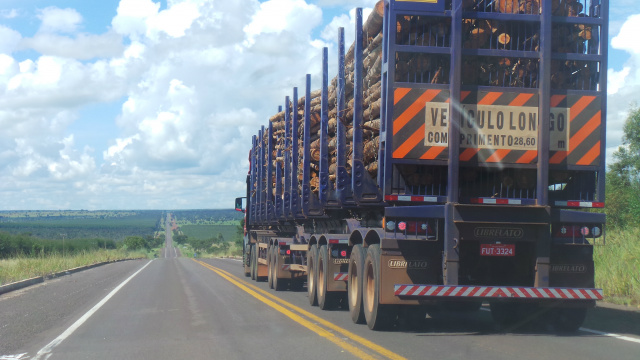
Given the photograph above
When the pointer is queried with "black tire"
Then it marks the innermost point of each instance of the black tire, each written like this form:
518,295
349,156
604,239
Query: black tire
246,263
569,319
327,300
253,262
246,266
278,283
270,267
378,316
354,284
312,282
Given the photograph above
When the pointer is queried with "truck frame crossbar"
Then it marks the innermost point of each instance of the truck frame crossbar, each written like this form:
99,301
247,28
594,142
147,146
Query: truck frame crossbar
493,292
293,267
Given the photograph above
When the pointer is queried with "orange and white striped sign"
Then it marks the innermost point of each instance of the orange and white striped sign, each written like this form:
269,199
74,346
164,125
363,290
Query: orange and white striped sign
495,127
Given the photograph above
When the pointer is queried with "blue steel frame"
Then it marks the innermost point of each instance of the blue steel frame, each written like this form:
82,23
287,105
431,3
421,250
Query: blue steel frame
393,8
286,200
261,178
309,201
343,179
293,188
364,190
599,13
269,190
252,188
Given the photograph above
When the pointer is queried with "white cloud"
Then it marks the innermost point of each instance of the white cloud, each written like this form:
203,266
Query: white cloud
348,4
196,80
9,40
82,47
348,22
132,15
71,165
174,21
59,20
283,17
625,83
627,38
9,13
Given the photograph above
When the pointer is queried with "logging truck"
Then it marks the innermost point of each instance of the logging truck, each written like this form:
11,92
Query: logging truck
454,160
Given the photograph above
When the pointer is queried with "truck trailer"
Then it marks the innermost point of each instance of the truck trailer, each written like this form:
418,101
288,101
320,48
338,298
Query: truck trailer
457,158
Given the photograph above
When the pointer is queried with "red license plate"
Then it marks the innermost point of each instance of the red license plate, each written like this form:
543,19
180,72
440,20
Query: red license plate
497,250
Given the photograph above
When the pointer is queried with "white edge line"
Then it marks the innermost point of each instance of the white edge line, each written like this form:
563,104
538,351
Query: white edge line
619,337
46,351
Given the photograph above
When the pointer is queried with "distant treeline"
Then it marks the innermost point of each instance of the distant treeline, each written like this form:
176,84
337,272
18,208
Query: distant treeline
115,227
208,215
26,245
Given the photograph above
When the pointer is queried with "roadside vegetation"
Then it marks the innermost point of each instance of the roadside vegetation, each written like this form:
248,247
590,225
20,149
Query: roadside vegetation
200,239
25,255
617,261
25,267
58,225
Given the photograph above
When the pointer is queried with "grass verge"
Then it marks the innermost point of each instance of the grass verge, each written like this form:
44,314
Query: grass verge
617,265
20,268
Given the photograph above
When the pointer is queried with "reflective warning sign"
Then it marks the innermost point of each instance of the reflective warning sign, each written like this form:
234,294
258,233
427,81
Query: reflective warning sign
494,126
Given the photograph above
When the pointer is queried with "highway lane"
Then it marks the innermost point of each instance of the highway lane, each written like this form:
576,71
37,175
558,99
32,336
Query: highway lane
466,336
37,314
179,308
169,251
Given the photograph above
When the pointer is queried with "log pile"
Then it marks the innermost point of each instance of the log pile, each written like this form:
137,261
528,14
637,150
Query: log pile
372,58
502,35
434,69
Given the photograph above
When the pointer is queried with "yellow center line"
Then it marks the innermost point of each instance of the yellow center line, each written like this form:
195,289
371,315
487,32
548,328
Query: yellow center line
252,289
297,318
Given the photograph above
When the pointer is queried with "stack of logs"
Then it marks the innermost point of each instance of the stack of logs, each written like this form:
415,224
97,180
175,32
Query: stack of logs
372,59
496,35
432,68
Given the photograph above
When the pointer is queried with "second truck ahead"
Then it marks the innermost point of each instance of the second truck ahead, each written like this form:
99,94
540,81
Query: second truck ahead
449,163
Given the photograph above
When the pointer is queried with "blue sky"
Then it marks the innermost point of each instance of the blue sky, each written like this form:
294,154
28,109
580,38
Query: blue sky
141,104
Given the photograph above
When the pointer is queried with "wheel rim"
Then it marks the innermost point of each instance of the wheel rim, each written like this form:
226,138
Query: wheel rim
310,281
370,287
320,278
270,270
273,268
353,289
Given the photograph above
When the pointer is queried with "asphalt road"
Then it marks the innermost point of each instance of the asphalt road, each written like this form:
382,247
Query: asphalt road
178,308
169,251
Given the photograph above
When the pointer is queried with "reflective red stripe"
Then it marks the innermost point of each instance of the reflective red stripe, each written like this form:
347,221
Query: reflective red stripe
498,292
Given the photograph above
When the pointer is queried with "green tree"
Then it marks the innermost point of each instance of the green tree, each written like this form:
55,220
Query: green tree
626,164
181,239
135,243
623,178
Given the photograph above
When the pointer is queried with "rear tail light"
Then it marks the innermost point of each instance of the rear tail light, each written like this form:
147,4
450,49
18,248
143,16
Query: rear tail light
409,227
576,231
